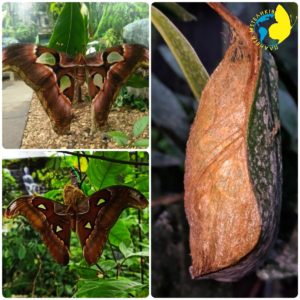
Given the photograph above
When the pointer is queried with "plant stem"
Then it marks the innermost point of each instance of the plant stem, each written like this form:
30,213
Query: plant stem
36,276
101,270
102,157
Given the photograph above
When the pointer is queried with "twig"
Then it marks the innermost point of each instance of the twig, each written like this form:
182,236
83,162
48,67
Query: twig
79,167
36,276
167,200
141,248
82,180
115,259
102,157
112,251
101,270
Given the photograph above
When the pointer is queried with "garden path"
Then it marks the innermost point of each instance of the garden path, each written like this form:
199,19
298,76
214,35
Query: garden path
16,97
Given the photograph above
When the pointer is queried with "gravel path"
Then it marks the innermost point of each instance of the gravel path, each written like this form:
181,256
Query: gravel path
38,133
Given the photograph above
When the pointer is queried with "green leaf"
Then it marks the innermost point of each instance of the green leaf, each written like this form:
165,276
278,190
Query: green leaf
21,252
125,248
137,81
105,173
184,53
106,288
176,10
140,125
119,233
107,264
143,143
141,253
119,137
70,31
54,194
87,273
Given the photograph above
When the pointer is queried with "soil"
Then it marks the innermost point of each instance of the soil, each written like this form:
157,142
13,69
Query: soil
39,134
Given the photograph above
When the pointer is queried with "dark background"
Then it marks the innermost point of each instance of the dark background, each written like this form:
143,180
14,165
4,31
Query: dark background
173,110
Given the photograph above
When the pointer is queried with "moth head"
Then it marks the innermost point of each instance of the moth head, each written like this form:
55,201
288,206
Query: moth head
73,195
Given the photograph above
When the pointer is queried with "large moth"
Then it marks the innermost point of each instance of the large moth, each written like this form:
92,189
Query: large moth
57,77
90,217
233,162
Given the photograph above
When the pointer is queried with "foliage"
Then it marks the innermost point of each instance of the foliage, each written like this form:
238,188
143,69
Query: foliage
78,27
9,186
70,34
122,139
117,15
110,38
55,9
125,99
193,69
24,33
29,269
17,24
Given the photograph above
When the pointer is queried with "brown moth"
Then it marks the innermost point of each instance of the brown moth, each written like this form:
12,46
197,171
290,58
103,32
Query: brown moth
90,217
233,162
57,78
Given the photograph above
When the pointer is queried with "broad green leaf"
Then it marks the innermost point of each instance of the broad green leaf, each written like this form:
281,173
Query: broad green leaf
125,248
86,273
54,194
143,143
119,137
107,264
106,288
137,81
141,253
70,31
194,71
119,233
175,10
21,252
141,183
140,125
103,173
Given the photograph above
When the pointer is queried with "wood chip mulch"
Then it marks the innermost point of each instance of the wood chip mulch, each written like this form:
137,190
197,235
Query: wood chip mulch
38,133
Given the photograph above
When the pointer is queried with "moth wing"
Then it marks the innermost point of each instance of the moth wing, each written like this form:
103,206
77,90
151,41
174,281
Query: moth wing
53,227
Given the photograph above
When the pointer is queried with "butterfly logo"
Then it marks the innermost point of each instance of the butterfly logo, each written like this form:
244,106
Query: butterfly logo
282,28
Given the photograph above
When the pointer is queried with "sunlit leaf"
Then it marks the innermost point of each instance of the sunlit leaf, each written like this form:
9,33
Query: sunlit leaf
70,31
189,62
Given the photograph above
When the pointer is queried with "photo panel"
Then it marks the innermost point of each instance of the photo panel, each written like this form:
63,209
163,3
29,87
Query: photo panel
75,75
224,149
75,224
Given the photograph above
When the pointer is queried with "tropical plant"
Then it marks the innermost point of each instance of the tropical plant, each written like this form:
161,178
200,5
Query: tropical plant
122,270
123,139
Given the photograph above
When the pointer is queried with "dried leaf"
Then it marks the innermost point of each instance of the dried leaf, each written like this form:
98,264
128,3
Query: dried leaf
233,164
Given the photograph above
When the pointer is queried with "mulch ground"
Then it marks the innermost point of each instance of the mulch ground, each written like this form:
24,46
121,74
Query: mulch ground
39,134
